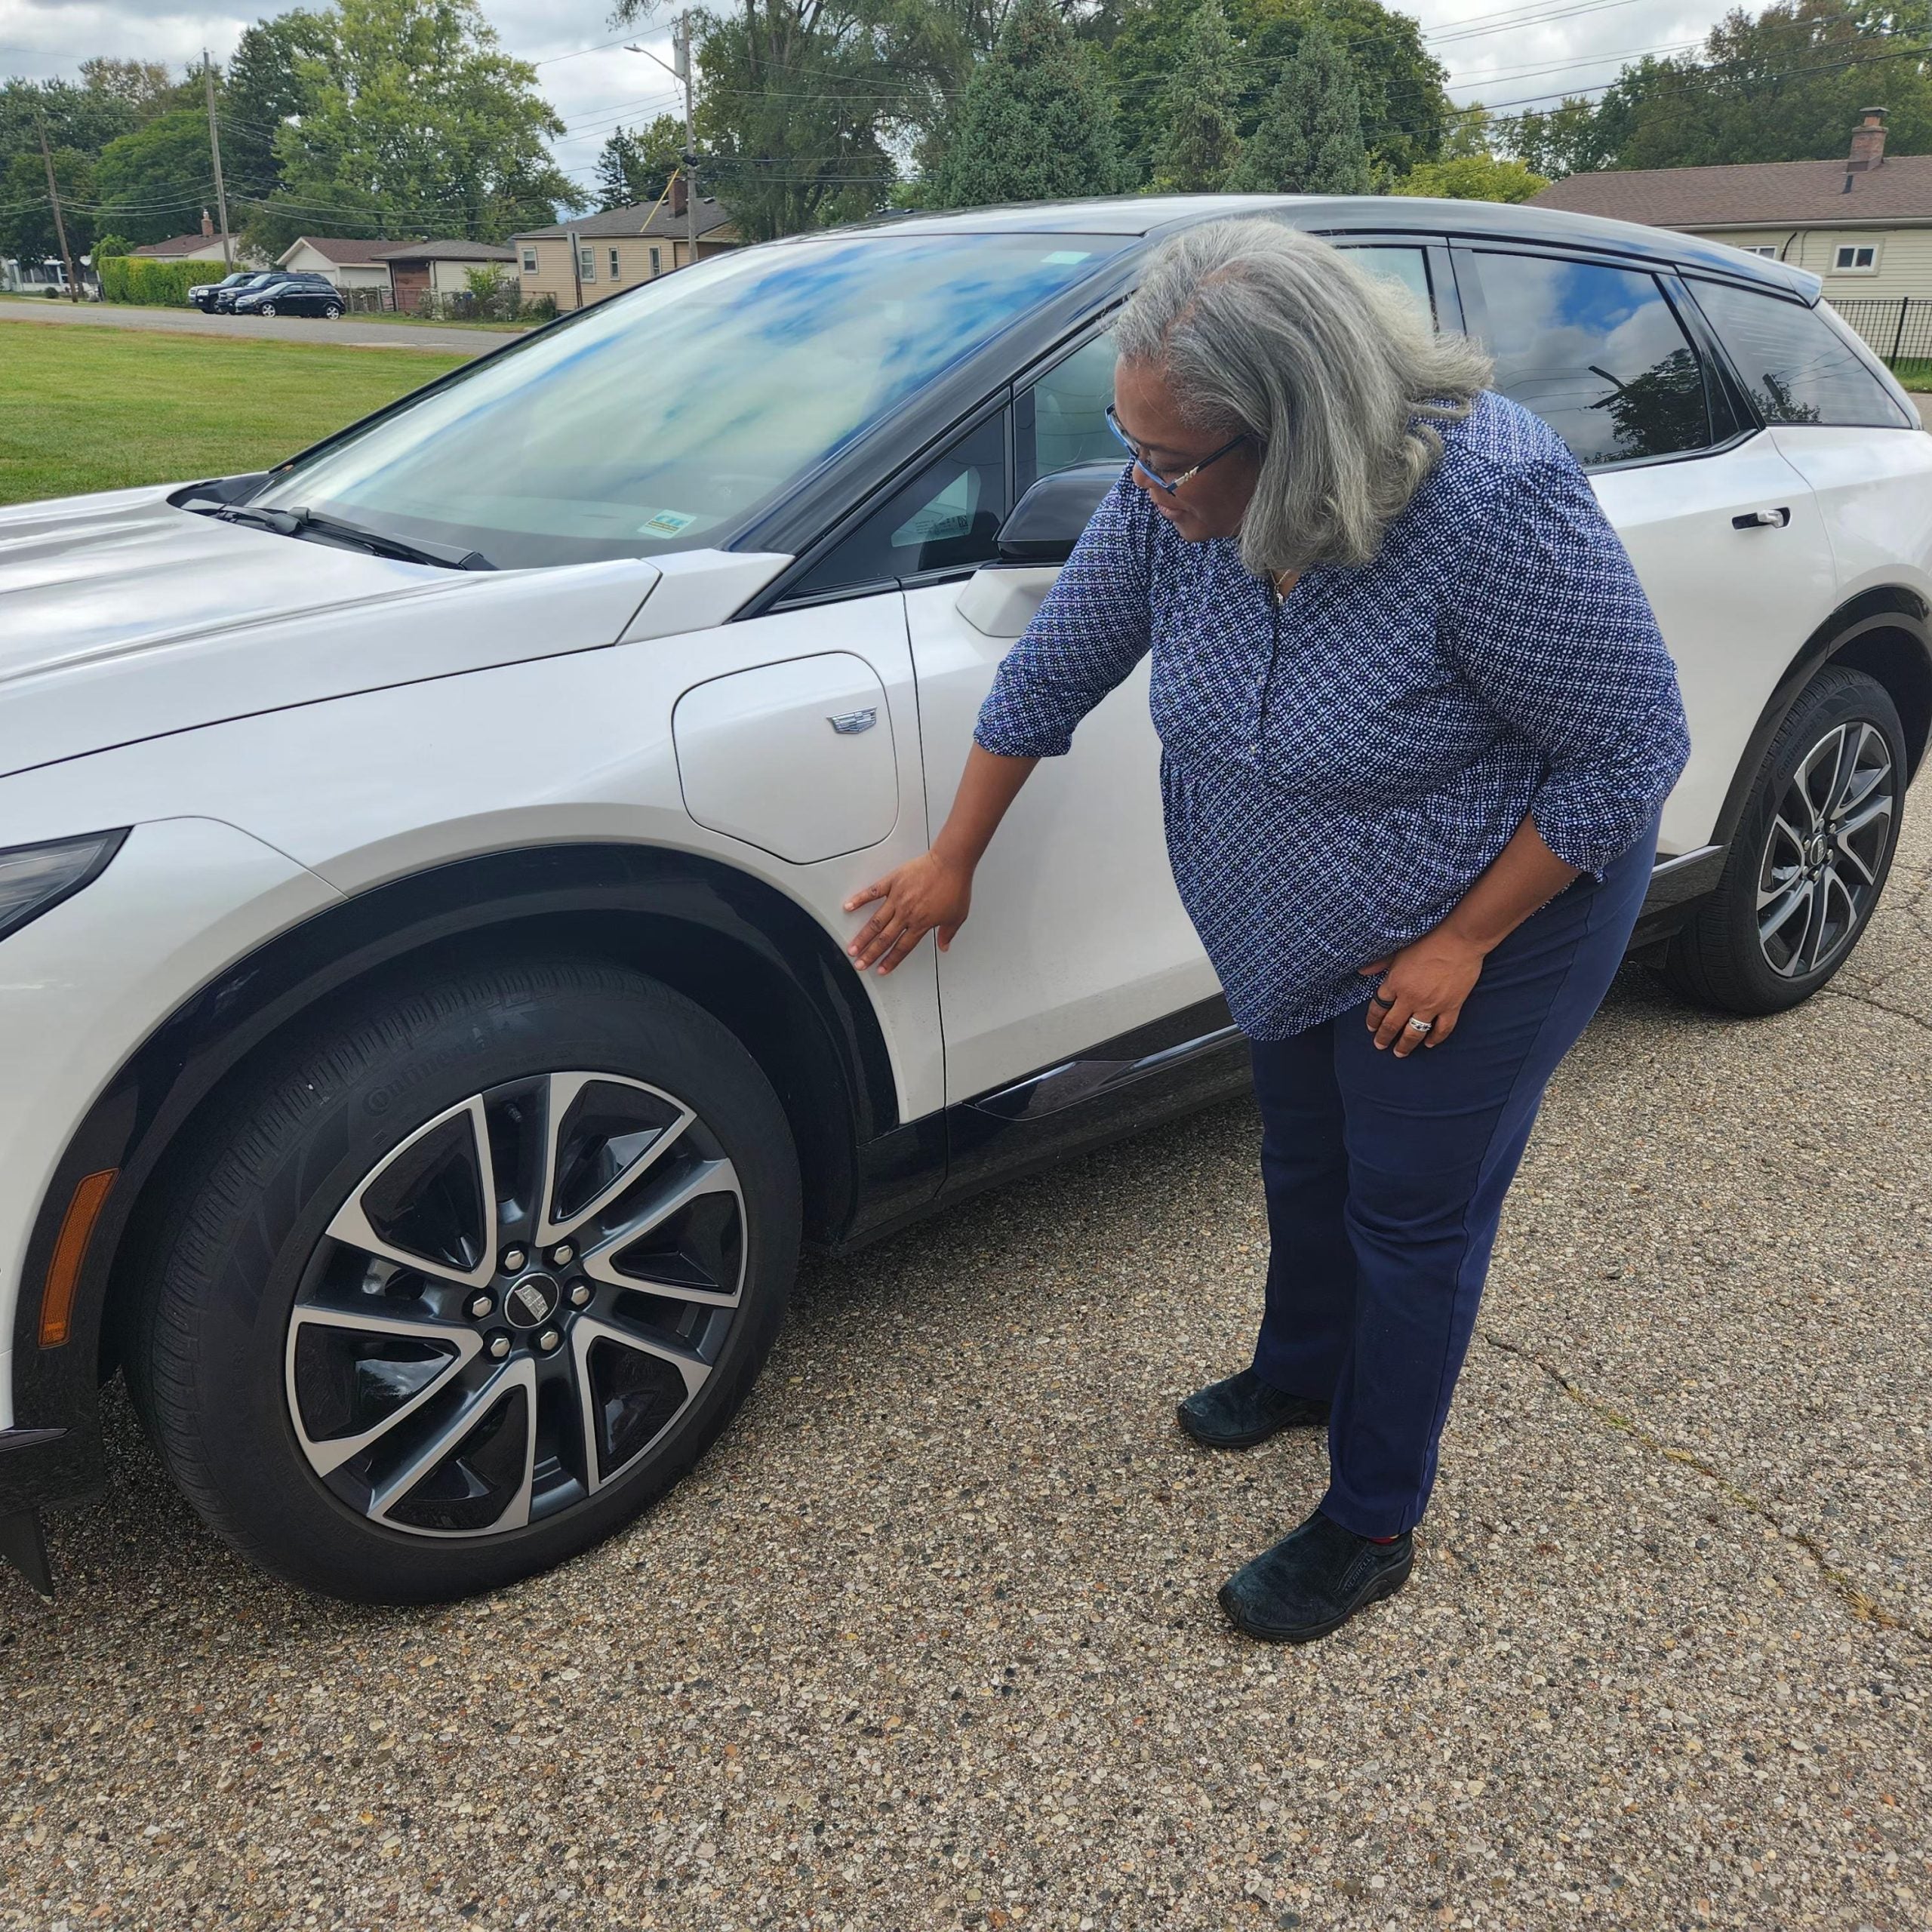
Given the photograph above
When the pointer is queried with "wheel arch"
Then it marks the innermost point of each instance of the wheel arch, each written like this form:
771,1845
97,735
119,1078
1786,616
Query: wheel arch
730,942
1885,632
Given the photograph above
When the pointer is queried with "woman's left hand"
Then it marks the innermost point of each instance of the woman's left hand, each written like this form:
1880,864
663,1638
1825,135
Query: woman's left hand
1427,980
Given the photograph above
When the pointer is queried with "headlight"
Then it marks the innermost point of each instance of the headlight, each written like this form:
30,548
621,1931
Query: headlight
34,878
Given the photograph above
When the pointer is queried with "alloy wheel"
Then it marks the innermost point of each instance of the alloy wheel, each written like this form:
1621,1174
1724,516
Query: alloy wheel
1825,852
516,1305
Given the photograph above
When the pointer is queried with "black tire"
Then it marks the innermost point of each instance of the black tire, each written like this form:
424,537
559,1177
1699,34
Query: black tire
266,308
1720,958
332,313
215,1367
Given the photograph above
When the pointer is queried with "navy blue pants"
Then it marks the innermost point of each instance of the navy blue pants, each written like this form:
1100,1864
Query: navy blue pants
1385,1180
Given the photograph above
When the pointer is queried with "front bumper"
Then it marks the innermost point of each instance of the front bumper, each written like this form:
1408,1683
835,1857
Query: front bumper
82,988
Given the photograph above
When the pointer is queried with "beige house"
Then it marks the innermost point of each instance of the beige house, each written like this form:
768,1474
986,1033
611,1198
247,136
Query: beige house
203,247
421,272
1863,223
617,248
348,264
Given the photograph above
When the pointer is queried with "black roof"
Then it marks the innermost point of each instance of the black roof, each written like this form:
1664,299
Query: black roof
1154,215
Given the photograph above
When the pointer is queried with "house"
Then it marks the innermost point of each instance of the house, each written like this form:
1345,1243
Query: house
619,247
1863,223
203,247
350,265
420,272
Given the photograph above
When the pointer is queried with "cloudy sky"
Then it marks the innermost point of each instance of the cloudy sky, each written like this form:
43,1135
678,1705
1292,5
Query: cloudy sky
1502,55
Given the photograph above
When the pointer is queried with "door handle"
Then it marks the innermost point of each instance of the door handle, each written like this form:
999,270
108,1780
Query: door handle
1761,520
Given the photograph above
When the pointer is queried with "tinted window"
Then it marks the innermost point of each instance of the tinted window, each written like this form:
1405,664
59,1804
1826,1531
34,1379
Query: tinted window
666,419
1794,365
1407,268
1062,419
1598,354
945,518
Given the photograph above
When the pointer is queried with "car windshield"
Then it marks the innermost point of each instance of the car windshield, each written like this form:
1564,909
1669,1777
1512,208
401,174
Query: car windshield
663,420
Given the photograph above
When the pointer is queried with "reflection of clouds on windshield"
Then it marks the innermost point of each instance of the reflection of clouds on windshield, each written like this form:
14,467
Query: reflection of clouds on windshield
700,395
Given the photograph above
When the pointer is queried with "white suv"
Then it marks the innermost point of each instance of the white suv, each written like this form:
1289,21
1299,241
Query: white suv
426,1033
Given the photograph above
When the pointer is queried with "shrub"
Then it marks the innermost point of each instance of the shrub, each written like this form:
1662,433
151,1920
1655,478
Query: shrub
137,278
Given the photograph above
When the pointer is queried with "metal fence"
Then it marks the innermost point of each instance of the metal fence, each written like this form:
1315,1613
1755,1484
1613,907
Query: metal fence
1898,329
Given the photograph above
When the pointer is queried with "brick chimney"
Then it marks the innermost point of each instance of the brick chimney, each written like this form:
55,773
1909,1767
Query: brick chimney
207,226
1868,142
679,200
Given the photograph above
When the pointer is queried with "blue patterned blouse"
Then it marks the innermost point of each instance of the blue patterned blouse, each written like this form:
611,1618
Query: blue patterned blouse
1337,770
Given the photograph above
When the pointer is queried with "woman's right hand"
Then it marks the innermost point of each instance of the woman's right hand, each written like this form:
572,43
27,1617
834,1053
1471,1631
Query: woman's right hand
924,894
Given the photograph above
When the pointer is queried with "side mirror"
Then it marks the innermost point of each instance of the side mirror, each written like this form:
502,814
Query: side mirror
1047,522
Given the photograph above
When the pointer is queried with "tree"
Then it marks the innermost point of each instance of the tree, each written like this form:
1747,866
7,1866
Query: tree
1785,85
806,105
1035,124
155,182
1309,141
1403,107
26,225
1472,177
412,118
637,167
141,86
1197,144
262,92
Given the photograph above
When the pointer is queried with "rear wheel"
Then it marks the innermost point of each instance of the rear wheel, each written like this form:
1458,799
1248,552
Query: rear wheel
462,1290
332,312
1811,856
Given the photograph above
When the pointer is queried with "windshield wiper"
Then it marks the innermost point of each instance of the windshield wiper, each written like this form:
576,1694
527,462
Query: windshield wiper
303,522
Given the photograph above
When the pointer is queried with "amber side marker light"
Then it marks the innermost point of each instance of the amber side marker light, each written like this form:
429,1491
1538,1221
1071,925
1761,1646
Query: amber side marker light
70,1250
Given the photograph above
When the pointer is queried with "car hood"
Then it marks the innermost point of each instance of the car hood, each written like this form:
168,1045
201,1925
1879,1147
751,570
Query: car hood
122,617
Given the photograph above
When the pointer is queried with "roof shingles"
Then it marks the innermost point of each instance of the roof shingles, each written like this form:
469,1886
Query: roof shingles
1753,194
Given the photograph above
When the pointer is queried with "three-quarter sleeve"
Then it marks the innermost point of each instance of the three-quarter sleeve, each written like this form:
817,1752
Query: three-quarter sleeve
1090,630
1551,627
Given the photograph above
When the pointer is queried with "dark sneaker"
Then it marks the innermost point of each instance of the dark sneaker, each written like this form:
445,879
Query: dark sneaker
1313,1581
1243,1411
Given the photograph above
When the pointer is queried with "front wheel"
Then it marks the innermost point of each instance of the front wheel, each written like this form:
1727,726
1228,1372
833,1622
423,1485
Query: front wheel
460,1291
1811,856
266,308
332,313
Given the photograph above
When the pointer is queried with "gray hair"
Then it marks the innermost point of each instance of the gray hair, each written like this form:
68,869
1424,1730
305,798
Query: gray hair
1336,372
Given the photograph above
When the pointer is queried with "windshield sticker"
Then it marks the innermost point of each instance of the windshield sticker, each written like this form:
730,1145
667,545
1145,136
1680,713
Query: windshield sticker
666,523
1062,258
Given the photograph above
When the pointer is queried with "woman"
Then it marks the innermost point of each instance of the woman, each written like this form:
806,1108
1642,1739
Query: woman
1417,725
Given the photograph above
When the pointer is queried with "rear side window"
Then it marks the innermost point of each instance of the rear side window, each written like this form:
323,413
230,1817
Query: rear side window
1794,365
1598,353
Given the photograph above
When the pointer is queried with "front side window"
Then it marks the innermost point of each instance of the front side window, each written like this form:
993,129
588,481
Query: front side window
1796,367
668,420
944,519
1597,352
1406,268
1856,260
1062,418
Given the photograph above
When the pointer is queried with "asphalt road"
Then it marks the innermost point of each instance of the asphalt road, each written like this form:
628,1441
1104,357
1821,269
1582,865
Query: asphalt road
930,1642
351,331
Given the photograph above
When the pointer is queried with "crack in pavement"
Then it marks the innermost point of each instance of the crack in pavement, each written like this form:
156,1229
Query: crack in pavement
1877,1005
1861,1606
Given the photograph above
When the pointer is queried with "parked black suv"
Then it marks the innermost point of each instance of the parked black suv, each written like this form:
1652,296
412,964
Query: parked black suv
206,295
221,299
289,295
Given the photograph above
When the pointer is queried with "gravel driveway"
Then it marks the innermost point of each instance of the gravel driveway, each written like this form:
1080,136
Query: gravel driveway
929,1641
354,332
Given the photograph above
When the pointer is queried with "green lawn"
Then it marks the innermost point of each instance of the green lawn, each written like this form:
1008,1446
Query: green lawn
99,409
1914,371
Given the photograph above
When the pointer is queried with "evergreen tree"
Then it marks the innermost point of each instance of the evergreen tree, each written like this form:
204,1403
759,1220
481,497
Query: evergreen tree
1196,145
1036,123
636,166
1309,141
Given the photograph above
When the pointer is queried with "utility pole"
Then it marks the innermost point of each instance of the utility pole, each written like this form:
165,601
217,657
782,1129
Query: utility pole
214,151
60,226
682,47
680,66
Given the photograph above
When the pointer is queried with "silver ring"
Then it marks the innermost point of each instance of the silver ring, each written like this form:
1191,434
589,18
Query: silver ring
1420,1026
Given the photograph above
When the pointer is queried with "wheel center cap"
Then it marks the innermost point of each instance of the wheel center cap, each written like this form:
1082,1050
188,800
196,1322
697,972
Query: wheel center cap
532,1299
1814,853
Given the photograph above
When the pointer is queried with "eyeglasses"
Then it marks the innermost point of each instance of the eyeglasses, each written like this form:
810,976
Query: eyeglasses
1154,476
